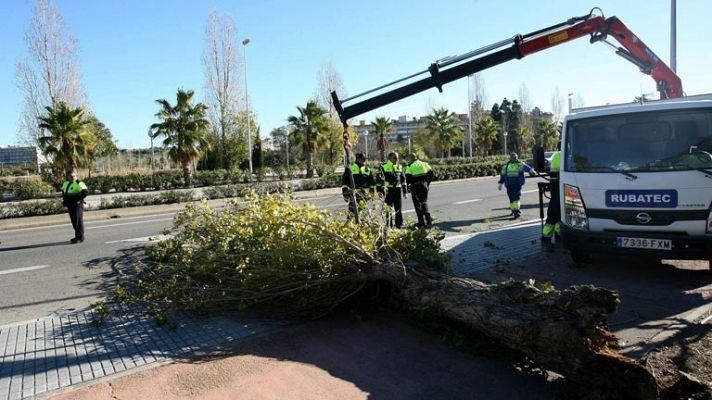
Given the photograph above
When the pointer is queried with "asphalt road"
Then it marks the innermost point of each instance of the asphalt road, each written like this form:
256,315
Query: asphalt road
41,273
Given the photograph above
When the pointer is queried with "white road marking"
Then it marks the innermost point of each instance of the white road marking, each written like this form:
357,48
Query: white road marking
86,223
129,223
530,191
408,211
144,239
466,201
12,271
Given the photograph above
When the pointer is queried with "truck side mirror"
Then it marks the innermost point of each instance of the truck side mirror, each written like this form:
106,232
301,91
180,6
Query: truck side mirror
539,159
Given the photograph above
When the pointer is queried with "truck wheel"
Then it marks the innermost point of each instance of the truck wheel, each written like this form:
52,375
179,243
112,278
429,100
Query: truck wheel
580,257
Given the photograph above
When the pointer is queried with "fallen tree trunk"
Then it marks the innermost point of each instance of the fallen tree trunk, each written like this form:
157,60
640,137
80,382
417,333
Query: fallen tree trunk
563,331
272,257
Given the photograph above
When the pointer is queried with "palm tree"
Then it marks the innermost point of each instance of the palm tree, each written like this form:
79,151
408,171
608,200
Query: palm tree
523,137
443,124
486,133
382,127
68,141
307,127
184,127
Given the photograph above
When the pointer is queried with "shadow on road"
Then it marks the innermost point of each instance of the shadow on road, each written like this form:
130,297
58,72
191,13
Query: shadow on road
122,264
34,246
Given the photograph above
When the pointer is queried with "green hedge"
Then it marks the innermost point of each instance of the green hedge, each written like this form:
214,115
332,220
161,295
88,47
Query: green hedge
466,160
137,200
31,208
161,180
25,189
463,171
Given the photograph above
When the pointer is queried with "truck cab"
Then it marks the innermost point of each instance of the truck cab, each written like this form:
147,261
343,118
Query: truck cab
637,179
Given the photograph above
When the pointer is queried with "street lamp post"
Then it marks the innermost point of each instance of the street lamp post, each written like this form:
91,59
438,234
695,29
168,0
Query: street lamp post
504,130
469,116
365,134
287,146
245,42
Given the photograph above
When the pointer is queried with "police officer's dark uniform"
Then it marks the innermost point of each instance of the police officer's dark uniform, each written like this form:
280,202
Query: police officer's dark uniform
391,182
74,192
364,182
418,175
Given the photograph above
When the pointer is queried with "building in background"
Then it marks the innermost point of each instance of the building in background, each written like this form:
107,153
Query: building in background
18,156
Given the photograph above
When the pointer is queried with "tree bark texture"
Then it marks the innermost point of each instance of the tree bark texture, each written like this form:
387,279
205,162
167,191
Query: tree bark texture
565,331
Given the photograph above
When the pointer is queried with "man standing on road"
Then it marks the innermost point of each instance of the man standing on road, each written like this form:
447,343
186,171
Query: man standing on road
513,179
74,192
552,226
363,182
418,175
391,182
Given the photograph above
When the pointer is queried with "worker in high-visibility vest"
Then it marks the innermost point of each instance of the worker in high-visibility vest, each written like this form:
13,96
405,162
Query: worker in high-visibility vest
74,192
552,226
391,182
363,183
418,175
512,178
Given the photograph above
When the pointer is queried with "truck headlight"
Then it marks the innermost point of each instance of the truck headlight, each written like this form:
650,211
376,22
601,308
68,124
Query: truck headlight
574,210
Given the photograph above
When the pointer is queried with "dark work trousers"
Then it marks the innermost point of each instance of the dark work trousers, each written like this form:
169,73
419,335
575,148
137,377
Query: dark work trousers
419,193
394,200
553,213
76,215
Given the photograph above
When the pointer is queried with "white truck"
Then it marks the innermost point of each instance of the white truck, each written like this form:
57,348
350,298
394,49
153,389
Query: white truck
637,179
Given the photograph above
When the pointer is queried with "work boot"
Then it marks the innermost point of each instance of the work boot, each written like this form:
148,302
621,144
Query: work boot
428,219
545,239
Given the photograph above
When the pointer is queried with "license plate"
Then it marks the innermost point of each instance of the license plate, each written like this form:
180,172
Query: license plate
645,243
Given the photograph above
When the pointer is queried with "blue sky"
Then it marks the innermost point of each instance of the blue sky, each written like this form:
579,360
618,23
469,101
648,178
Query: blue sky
135,51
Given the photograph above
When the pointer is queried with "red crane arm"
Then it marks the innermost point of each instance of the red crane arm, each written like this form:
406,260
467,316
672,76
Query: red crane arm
633,50
456,67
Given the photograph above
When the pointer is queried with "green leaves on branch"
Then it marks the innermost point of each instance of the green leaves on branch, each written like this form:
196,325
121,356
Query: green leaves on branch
272,256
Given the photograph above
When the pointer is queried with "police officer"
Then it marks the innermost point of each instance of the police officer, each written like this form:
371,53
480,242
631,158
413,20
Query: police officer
552,226
513,179
74,192
391,182
363,182
418,176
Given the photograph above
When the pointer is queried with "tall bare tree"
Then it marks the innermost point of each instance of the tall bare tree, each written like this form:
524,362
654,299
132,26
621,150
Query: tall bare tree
50,74
221,58
328,79
557,105
479,97
526,105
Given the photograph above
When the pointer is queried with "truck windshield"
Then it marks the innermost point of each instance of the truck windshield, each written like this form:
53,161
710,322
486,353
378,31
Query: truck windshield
640,142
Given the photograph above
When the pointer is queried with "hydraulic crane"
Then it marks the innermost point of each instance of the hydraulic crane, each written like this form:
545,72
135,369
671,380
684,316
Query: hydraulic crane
456,67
